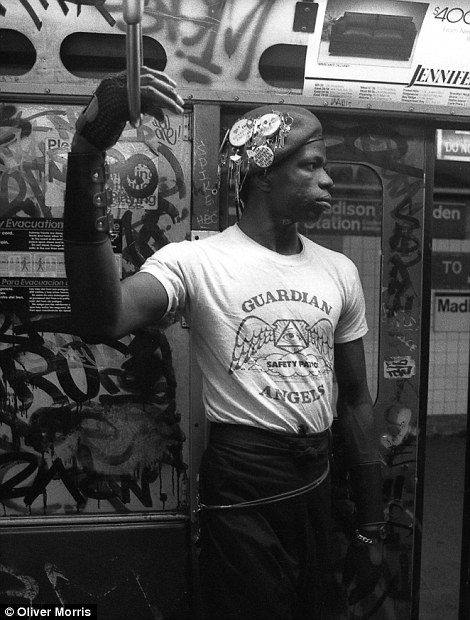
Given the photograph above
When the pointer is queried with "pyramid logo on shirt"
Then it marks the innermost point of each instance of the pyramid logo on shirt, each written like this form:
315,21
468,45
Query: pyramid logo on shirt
291,336
257,340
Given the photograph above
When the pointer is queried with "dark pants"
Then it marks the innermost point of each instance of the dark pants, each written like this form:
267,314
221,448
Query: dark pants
269,562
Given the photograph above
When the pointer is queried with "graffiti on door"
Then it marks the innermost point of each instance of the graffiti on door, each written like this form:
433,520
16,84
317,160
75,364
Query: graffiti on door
84,426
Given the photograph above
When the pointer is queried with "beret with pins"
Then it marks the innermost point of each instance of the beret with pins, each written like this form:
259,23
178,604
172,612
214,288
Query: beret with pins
288,128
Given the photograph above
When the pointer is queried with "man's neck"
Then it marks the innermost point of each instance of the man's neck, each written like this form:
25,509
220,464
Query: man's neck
280,237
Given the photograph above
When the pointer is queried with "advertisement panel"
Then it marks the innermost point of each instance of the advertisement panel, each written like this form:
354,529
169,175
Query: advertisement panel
410,53
393,55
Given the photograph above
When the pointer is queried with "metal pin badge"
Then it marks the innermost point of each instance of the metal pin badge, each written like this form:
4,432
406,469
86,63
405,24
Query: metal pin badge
263,156
240,133
269,124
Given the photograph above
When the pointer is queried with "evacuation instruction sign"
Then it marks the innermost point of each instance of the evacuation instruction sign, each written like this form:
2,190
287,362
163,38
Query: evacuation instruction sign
32,269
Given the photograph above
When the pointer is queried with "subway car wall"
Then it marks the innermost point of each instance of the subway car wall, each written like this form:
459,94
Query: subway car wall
101,439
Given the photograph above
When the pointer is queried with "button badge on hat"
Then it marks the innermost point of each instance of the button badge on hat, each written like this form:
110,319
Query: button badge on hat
241,132
263,156
252,141
269,124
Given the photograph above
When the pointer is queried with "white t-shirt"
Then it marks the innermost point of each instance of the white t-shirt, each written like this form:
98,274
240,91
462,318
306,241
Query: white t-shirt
263,325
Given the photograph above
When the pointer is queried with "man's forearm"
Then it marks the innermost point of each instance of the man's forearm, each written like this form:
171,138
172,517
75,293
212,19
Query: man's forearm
359,430
93,279
361,441
94,288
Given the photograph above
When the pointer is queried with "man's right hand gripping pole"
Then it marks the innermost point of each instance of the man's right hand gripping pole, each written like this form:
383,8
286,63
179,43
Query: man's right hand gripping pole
94,283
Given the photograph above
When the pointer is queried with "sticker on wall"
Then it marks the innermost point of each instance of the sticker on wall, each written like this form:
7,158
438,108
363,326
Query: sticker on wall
399,367
133,174
135,180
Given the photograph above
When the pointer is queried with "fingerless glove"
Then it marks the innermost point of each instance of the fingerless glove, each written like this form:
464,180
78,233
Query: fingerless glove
103,120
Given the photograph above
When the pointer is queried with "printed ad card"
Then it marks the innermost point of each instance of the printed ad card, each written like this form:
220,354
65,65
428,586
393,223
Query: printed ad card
411,54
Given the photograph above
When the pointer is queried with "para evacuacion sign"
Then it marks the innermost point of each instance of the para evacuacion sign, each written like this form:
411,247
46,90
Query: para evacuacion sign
350,217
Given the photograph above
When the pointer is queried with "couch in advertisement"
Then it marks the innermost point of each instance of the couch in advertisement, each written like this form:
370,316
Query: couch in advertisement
373,35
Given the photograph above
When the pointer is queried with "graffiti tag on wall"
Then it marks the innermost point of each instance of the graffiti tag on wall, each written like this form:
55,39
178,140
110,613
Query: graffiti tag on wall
85,426
205,41
34,7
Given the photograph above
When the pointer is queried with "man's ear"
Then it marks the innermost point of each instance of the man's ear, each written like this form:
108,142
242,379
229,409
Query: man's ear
263,181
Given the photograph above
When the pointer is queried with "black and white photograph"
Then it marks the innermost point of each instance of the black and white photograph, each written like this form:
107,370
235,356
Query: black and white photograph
234,309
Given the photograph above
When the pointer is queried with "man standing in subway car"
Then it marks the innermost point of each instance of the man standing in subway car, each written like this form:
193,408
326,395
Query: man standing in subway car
274,318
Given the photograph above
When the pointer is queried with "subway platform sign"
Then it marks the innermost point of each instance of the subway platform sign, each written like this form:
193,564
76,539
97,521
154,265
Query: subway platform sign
449,220
357,217
451,271
452,312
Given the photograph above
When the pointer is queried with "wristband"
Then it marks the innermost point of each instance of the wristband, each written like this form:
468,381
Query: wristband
87,214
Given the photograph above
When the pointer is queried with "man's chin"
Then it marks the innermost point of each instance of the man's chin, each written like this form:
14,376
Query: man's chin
309,215
313,215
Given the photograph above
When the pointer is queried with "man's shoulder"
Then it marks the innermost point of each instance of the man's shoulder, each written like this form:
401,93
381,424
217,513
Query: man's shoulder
201,244
328,255
207,241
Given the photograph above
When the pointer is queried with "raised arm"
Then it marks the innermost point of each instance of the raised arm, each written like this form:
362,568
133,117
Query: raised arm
102,304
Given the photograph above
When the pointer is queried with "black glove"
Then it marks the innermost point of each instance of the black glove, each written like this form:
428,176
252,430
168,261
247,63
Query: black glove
103,120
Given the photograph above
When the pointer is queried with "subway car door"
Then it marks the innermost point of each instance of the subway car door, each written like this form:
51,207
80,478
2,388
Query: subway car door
94,446
378,220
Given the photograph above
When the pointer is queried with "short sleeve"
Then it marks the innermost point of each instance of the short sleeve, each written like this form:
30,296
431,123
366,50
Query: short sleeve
352,323
169,266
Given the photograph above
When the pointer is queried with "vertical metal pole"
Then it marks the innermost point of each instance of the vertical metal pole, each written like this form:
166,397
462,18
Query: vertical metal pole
429,159
132,15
